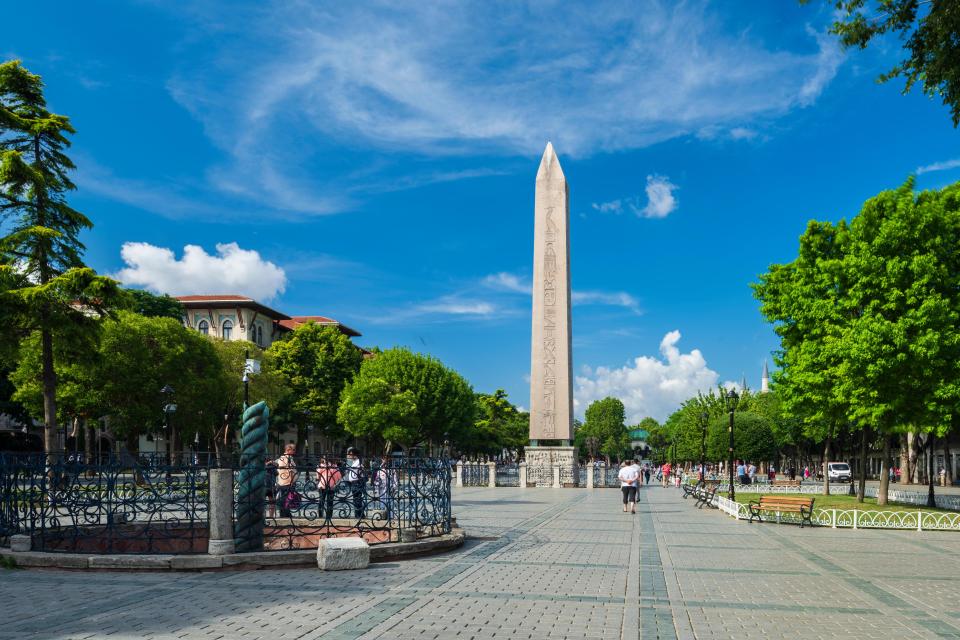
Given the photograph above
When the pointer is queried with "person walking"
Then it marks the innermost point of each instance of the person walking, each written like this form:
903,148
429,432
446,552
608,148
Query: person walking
385,484
286,480
629,476
328,477
646,474
665,474
354,477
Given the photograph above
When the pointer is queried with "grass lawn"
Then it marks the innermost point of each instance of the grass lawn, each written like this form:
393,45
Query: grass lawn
843,502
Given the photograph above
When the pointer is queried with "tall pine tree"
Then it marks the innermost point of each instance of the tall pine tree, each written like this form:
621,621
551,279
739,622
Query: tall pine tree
55,294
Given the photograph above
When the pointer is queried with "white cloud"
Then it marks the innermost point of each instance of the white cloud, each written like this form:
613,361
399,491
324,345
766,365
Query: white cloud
507,282
649,386
939,166
460,81
742,133
660,200
231,270
453,306
610,298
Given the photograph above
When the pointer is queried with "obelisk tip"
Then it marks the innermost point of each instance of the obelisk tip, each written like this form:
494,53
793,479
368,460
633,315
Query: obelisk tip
549,163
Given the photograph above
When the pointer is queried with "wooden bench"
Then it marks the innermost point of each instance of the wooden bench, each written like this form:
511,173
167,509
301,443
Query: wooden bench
785,483
782,504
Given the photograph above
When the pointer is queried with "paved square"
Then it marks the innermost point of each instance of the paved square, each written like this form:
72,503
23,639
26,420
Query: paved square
541,563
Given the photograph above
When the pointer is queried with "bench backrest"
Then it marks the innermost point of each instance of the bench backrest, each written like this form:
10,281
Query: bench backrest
792,500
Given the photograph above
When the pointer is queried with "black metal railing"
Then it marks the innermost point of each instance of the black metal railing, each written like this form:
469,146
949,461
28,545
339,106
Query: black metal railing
116,504
310,498
475,474
508,474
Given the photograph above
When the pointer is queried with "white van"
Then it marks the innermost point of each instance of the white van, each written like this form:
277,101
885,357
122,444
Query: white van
839,472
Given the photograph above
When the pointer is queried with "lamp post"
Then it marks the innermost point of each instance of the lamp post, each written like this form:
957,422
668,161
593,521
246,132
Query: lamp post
168,408
731,400
703,446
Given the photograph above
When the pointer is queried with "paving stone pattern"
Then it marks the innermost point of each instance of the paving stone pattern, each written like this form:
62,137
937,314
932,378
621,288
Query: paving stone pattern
541,563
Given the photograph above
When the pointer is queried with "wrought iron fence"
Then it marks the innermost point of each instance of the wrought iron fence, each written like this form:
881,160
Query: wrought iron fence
475,474
311,498
508,474
111,505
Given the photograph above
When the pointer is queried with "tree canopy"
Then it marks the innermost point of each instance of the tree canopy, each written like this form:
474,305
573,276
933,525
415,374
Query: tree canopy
407,398
930,31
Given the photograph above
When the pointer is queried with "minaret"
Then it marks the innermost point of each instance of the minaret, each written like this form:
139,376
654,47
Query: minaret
551,369
765,379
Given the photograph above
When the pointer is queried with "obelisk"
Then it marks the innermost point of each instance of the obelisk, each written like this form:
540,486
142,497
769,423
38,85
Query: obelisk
551,369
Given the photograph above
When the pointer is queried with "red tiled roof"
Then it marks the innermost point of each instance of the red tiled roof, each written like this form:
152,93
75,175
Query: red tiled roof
205,301
230,297
296,321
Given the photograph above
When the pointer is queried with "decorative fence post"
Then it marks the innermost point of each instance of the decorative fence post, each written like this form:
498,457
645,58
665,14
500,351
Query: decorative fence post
833,518
220,513
856,517
919,520
492,475
556,478
251,480
523,475
458,482
590,480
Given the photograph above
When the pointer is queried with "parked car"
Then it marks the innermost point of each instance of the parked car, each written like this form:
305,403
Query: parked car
839,472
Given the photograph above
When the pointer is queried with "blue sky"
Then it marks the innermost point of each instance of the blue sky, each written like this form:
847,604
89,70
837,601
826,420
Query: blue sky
377,165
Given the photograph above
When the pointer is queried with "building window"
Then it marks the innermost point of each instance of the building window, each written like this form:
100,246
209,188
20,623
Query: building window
260,336
203,327
227,329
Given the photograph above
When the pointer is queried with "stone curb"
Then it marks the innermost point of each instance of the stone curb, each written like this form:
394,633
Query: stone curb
201,562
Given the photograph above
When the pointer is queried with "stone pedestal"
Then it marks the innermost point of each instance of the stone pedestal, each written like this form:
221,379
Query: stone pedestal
523,475
590,478
339,554
541,462
221,541
21,543
458,470
492,474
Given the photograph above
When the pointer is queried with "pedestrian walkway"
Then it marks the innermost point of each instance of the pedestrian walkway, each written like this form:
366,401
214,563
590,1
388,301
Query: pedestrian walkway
542,563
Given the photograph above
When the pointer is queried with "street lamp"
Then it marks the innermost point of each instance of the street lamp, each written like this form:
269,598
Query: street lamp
731,401
703,446
168,408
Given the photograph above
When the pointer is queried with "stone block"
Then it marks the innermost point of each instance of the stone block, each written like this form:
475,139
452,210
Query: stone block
186,562
41,559
270,558
337,554
133,561
21,543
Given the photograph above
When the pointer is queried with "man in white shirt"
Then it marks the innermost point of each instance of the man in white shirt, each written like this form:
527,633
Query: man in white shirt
629,479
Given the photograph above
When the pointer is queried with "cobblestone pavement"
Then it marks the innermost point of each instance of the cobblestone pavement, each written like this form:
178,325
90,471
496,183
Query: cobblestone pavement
541,563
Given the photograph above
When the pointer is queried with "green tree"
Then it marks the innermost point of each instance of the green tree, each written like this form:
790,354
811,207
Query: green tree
807,302
148,304
930,30
753,438
604,422
407,398
138,357
317,361
498,427
42,241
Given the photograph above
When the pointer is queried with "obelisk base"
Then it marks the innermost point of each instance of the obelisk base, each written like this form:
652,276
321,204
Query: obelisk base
541,462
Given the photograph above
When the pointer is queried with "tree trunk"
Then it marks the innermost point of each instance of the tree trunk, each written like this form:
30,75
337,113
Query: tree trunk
862,483
947,462
49,380
931,498
885,463
826,458
908,468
